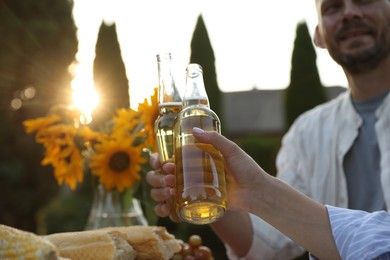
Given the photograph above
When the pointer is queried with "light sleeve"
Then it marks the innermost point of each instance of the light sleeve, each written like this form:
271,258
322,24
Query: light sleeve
359,234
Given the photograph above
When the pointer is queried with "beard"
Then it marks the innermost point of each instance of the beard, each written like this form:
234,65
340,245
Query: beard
363,61
366,59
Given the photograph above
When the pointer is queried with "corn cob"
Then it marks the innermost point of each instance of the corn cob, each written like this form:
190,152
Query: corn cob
18,244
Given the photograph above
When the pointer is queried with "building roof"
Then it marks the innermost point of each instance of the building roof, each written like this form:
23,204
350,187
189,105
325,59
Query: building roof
258,111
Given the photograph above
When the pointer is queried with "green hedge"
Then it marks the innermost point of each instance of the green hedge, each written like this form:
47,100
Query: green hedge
263,149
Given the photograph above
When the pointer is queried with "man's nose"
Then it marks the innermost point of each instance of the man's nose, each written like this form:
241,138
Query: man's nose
351,10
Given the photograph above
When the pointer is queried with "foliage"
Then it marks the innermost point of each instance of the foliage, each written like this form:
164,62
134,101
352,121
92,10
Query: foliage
65,213
40,45
305,90
262,149
109,75
203,54
37,44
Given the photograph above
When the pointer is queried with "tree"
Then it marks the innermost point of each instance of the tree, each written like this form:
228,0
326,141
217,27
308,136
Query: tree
203,54
305,90
109,75
38,43
39,46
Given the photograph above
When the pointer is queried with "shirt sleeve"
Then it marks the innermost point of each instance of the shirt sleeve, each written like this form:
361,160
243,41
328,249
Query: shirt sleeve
359,234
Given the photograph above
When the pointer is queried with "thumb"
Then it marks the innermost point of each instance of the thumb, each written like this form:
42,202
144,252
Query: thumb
221,143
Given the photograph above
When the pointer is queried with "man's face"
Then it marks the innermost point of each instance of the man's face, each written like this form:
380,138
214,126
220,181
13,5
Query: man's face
355,32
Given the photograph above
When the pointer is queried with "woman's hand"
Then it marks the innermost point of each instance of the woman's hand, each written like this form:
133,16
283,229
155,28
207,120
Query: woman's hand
242,174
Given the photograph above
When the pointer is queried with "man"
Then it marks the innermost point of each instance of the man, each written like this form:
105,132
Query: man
339,152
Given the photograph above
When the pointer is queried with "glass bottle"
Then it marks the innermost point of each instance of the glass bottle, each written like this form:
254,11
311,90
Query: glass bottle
170,104
200,175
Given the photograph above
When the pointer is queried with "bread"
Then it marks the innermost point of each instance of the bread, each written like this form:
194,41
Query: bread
134,242
91,245
19,244
150,242
115,243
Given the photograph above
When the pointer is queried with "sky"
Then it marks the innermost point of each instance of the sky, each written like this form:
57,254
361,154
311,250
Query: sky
252,41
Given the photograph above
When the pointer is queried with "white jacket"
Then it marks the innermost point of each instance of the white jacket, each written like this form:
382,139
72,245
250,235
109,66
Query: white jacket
311,160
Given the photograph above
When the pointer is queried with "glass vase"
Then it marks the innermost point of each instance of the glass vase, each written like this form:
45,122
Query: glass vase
114,209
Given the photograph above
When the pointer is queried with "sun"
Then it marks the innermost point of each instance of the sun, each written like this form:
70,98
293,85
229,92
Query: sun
85,96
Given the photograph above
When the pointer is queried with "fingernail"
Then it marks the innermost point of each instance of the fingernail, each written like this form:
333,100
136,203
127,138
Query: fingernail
198,131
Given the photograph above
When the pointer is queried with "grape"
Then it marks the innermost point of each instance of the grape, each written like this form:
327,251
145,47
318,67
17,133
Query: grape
187,250
202,253
195,241
193,250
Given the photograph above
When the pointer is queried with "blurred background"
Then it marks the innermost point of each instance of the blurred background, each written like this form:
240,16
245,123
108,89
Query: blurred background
84,52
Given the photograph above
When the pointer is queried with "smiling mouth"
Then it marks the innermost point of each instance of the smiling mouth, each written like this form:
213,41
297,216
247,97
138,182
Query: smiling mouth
354,29
354,33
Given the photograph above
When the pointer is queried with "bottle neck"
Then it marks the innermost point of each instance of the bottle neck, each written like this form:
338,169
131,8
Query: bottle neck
195,92
197,101
168,92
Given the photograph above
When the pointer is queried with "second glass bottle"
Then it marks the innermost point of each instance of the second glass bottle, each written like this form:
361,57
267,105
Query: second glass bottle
170,104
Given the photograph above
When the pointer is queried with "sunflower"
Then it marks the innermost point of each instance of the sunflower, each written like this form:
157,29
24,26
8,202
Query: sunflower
88,134
55,134
115,153
117,163
55,152
62,152
126,122
149,112
69,170
40,123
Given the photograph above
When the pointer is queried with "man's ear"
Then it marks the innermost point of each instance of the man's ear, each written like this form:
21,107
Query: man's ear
318,41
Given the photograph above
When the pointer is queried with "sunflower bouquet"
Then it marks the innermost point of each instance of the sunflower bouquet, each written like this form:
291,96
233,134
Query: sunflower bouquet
117,154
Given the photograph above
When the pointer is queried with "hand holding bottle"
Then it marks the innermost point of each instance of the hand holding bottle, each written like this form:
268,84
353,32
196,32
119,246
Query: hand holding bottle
162,185
241,171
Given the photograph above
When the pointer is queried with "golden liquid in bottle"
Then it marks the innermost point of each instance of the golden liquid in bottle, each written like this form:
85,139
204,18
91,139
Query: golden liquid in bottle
200,173
164,129
164,137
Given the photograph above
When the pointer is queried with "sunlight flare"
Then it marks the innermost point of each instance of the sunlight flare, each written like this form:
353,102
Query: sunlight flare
85,96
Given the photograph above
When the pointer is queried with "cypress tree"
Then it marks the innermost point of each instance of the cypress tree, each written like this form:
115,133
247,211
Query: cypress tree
203,54
305,90
109,74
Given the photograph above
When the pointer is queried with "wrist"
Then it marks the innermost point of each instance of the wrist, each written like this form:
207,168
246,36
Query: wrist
261,196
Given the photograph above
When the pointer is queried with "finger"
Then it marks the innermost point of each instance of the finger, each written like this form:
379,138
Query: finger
154,161
170,180
162,210
160,194
156,179
169,168
221,143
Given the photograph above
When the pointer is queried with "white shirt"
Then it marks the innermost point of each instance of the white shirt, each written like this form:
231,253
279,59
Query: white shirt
311,160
